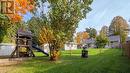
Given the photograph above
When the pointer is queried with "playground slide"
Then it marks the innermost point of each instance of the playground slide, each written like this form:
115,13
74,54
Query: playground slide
40,50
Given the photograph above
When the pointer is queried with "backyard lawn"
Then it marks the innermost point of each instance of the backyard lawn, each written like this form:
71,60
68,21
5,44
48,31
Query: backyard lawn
108,61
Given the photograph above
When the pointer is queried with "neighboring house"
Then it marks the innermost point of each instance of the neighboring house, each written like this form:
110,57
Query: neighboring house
91,43
114,41
6,49
128,39
46,48
70,46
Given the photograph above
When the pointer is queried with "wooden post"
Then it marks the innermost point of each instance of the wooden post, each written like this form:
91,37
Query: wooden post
17,46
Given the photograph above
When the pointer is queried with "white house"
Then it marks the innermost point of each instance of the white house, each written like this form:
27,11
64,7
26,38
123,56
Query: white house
6,49
128,39
70,46
46,48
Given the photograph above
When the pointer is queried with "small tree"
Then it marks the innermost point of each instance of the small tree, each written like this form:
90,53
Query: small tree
101,41
81,38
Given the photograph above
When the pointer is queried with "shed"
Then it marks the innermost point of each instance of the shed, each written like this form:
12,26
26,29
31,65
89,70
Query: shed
70,46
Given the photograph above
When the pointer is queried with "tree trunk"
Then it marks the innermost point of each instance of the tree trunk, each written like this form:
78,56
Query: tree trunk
54,53
121,46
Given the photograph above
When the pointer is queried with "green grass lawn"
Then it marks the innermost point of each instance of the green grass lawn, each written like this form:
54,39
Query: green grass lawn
109,61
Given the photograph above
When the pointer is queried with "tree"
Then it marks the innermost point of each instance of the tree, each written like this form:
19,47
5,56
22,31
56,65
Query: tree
10,21
81,37
118,27
4,24
92,32
35,25
21,8
7,29
62,19
101,40
104,30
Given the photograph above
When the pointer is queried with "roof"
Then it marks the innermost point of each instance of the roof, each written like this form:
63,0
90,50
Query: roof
24,33
70,43
91,40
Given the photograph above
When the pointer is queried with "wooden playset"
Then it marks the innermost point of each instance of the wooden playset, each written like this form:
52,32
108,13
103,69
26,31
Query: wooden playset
23,44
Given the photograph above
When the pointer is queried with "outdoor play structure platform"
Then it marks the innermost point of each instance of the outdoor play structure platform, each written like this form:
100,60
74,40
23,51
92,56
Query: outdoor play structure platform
22,48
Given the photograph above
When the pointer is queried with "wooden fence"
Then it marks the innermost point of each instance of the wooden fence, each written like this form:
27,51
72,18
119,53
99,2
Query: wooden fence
126,49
